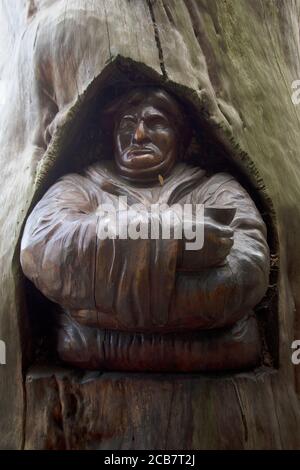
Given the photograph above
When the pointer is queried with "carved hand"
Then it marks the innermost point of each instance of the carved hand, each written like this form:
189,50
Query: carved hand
218,240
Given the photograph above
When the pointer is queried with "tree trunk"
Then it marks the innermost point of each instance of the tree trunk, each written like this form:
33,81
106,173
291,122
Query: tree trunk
234,61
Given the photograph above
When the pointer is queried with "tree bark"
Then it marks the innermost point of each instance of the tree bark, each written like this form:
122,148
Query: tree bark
232,60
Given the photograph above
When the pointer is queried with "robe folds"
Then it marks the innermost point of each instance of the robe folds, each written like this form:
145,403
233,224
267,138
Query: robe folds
136,287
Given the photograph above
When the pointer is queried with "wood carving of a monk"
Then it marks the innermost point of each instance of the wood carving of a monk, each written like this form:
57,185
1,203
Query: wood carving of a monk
149,304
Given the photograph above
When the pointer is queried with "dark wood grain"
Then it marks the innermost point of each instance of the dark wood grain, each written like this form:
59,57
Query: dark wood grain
94,410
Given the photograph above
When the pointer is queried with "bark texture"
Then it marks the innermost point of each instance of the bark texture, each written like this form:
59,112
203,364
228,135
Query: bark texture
234,61
144,411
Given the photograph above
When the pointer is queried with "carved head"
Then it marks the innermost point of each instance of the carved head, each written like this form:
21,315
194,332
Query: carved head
149,131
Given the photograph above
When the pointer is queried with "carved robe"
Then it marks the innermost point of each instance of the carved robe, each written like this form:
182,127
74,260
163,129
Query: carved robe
115,290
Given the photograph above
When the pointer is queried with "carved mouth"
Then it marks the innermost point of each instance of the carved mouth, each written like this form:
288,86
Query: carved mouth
141,151
141,158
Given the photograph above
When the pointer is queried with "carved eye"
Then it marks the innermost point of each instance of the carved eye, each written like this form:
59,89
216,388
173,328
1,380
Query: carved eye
127,124
156,122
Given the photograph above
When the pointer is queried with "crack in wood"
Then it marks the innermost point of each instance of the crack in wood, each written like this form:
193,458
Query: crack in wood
243,416
157,40
107,29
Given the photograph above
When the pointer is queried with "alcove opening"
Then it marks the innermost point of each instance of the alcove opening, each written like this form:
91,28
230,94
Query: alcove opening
82,141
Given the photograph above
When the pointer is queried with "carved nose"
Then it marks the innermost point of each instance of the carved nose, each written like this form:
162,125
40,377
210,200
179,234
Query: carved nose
139,135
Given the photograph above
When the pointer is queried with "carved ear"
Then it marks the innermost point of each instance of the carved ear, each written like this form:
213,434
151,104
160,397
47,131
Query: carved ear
108,114
109,111
185,134
186,140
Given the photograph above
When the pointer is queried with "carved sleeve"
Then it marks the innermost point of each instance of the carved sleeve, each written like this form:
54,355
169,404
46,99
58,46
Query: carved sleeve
129,282
59,243
224,294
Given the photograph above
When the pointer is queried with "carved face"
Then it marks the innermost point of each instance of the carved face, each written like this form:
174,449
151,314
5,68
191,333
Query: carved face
146,136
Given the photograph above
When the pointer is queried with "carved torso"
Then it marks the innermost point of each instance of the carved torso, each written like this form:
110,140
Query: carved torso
139,286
